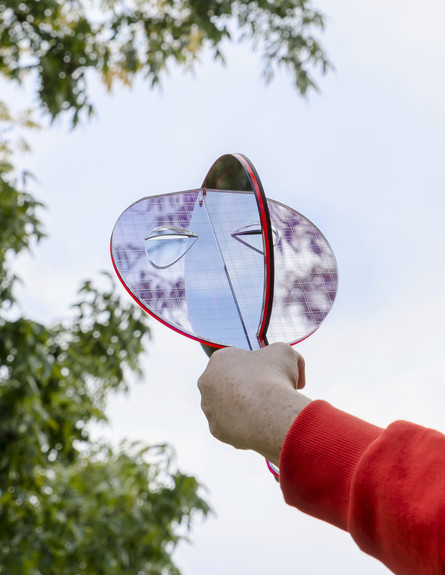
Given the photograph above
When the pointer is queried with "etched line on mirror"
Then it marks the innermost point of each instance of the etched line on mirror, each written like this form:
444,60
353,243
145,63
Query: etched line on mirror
203,204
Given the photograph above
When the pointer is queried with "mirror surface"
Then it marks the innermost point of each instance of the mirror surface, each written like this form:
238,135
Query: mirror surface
177,255
224,279
306,277
196,261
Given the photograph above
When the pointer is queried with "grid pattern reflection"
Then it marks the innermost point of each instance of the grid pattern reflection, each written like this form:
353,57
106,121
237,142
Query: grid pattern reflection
306,276
177,254
225,277
161,291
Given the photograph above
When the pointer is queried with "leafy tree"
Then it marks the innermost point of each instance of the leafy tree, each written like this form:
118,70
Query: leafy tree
59,42
69,505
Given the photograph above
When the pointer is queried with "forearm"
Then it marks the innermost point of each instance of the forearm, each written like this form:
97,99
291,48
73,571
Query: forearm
386,487
319,457
276,416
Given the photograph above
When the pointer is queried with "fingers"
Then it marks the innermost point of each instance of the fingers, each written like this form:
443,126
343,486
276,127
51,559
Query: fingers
278,358
250,398
289,361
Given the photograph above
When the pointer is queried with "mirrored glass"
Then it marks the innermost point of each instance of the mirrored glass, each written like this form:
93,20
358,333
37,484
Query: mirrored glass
195,260
306,276
160,291
224,278
178,257
228,173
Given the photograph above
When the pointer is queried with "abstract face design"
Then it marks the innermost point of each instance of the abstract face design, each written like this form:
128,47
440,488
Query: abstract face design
199,262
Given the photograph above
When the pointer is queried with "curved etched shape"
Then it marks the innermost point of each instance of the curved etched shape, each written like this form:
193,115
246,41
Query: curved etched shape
165,245
251,236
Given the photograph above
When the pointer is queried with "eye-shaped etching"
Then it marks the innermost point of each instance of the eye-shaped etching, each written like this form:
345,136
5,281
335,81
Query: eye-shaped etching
165,245
251,236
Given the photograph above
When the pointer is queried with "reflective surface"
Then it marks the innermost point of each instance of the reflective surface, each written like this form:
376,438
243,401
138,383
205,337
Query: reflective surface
236,172
188,270
306,276
228,173
209,282
160,291
224,280
202,261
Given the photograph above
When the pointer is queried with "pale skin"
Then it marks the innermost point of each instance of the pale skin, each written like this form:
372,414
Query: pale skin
251,398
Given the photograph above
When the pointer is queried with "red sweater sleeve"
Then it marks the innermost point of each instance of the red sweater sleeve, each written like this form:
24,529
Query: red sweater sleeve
386,487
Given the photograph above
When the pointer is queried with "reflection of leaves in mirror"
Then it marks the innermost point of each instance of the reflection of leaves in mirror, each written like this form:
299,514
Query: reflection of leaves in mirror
160,290
169,209
315,295
305,268
316,248
161,294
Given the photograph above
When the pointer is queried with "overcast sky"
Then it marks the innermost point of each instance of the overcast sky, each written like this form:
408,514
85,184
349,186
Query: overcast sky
364,161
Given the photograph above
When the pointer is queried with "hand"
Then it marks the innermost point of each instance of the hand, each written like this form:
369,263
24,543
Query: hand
250,398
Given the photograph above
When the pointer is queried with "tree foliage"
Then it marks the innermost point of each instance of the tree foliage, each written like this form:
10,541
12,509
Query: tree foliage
68,504
60,42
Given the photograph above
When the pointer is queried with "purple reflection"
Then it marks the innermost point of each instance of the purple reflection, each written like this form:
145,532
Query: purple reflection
305,282
315,247
305,276
161,291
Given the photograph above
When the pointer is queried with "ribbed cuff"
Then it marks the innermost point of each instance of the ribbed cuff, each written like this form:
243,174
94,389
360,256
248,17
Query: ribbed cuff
319,457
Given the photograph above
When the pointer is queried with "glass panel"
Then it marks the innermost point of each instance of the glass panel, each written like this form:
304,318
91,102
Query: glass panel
227,173
188,258
224,278
177,255
161,291
305,276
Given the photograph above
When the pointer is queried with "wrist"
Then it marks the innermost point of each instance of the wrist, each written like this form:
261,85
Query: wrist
277,418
